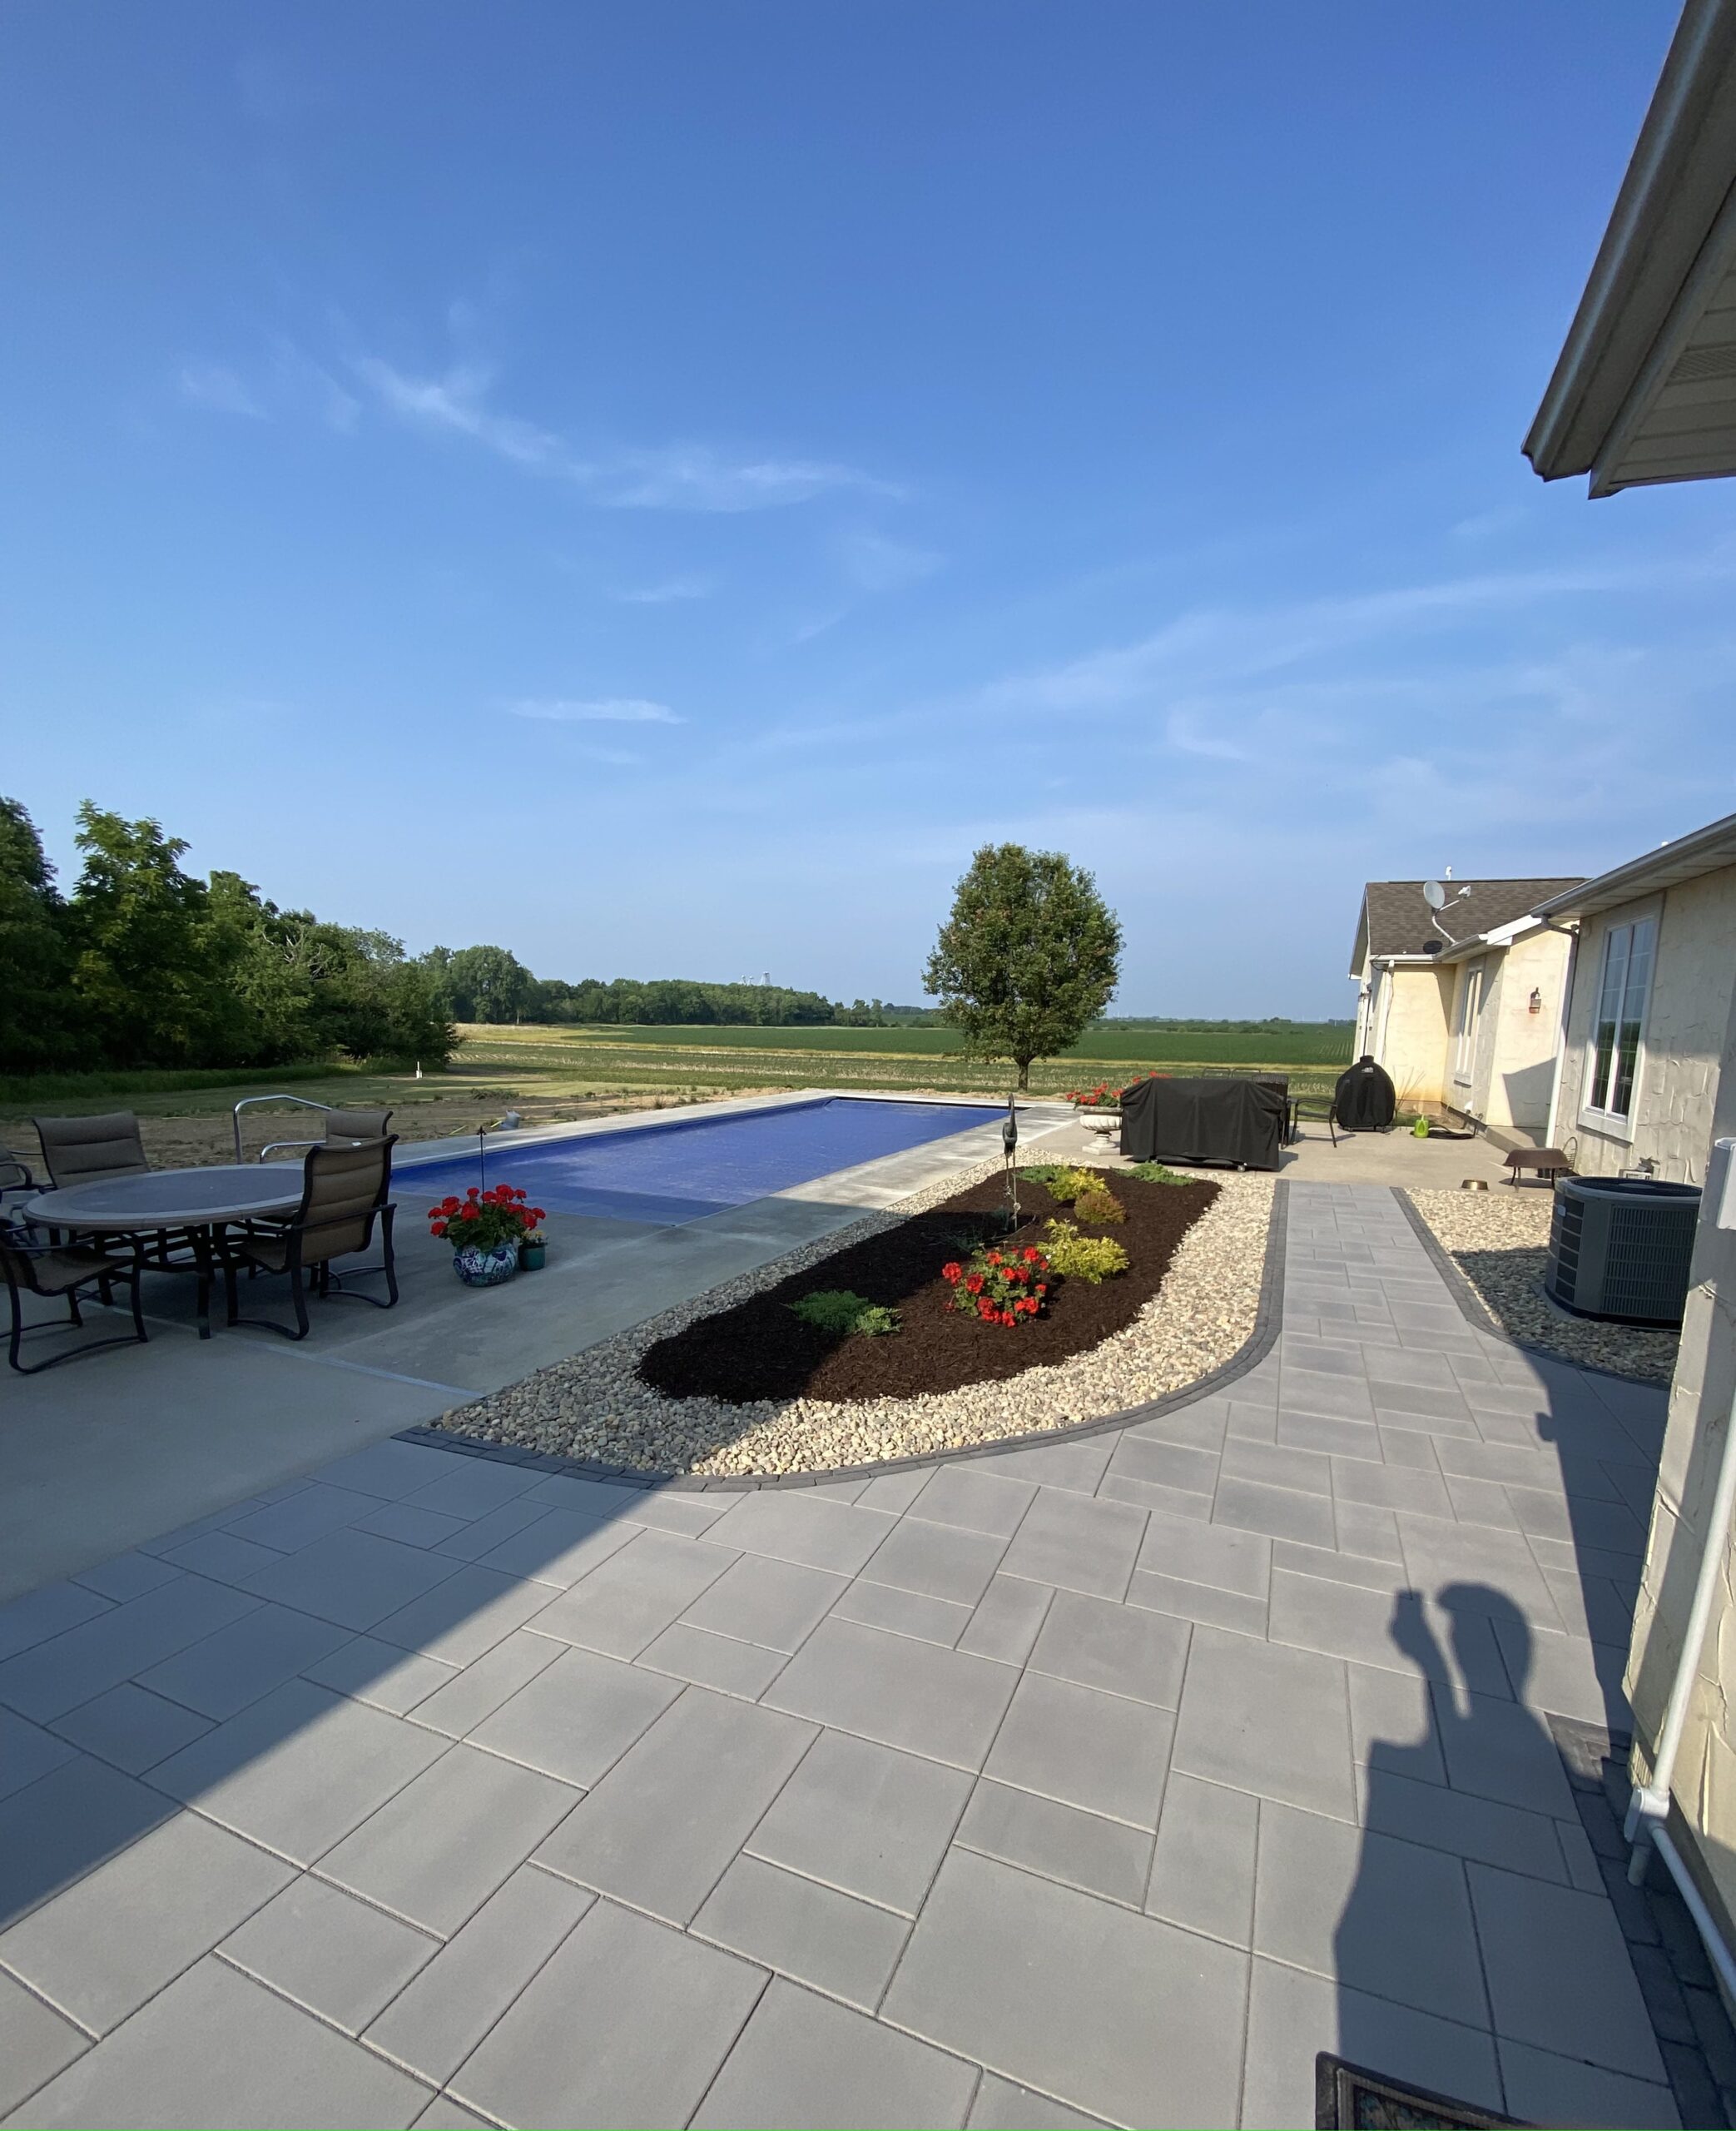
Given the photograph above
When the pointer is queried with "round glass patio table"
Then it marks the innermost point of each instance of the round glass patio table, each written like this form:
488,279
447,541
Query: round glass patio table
198,1201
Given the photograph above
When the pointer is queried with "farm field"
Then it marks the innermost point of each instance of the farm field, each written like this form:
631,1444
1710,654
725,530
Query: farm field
553,1075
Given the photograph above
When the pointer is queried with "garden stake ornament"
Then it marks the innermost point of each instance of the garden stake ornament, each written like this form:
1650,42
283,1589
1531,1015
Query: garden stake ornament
1010,1155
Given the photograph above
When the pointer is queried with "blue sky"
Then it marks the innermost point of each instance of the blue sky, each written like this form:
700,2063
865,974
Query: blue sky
655,486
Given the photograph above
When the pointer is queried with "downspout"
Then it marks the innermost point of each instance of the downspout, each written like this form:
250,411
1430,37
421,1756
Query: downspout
1572,970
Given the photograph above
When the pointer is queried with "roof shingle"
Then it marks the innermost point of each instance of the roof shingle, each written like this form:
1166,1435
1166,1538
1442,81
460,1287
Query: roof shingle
1396,915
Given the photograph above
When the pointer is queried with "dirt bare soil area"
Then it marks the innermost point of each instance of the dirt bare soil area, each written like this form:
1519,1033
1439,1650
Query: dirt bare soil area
759,1348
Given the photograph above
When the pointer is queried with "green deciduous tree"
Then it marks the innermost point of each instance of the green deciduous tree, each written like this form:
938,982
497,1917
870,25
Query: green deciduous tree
36,1025
1028,957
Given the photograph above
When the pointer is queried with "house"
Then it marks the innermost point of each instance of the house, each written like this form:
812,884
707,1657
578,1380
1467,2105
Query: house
1645,390
1463,1007
1654,977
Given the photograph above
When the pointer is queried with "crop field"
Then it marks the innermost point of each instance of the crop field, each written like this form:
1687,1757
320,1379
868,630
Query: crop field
553,1074
691,1061
1315,1044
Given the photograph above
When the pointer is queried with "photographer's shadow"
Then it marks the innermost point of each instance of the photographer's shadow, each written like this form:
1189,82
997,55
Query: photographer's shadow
1461,1911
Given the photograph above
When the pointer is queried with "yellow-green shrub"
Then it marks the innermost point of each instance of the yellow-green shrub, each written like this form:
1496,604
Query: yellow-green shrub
1099,1205
1092,1258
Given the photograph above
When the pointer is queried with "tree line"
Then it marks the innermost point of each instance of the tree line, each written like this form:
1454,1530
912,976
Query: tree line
143,964
491,985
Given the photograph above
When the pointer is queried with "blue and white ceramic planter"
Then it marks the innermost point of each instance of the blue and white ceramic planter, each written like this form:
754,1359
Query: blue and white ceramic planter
485,1269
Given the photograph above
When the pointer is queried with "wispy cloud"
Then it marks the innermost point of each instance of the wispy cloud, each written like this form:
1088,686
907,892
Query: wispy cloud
211,386
872,563
457,403
695,477
602,710
662,594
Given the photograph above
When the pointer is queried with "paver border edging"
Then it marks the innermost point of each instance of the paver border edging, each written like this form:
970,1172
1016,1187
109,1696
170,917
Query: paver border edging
1268,1321
1477,1312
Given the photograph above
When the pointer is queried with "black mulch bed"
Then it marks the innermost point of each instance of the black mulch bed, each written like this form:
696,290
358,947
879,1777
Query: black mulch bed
761,1350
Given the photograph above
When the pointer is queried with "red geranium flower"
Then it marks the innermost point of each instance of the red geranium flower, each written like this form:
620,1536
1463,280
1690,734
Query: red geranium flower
973,1285
438,1229
952,1273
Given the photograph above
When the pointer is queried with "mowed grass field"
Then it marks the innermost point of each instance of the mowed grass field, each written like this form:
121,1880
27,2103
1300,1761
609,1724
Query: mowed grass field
553,1074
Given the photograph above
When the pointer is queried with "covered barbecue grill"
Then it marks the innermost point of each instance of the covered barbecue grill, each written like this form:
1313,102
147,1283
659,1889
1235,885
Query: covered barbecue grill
1365,1099
1206,1120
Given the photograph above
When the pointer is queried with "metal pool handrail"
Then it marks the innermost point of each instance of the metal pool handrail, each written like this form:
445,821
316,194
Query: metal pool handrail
305,1101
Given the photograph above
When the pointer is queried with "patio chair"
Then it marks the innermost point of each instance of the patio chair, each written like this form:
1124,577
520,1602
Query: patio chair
343,1196
34,1267
14,1176
343,1128
91,1150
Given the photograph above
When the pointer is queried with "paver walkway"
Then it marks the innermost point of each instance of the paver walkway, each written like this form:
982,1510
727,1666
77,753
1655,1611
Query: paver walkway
1107,1780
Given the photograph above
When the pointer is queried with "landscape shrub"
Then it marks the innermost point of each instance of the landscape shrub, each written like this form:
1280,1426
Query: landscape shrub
1005,1288
1062,1180
1099,1205
1155,1173
839,1309
1092,1258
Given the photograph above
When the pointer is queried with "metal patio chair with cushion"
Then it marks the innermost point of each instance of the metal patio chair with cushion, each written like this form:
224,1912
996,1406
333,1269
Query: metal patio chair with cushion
93,1149
343,1128
33,1266
343,1197
14,1176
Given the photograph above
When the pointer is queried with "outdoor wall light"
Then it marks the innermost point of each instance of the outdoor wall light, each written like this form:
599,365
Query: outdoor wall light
1536,1005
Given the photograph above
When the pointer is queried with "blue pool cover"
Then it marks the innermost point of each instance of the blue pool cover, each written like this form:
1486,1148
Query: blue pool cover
666,1174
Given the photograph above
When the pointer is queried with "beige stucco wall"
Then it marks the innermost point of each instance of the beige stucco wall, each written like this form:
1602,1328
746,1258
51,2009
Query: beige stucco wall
1410,1033
1705,1785
1515,1051
1684,1033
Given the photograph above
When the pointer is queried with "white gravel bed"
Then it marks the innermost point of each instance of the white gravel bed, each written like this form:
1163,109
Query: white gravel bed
595,1406
1498,1241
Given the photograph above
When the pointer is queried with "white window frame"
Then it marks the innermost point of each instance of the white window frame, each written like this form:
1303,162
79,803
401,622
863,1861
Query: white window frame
1614,964
1467,1015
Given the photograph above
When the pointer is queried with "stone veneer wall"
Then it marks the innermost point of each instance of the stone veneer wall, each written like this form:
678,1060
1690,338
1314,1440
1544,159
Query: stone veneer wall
1684,1032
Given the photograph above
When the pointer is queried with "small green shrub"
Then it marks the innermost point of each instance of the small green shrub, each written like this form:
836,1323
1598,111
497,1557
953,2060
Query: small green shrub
1155,1173
1099,1205
1062,1180
1092,1258
837,1309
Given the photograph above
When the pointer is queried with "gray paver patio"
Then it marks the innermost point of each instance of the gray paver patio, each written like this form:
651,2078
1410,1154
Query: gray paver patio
1102,1781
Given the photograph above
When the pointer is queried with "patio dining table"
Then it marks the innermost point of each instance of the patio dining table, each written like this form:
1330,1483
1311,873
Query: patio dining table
196,1202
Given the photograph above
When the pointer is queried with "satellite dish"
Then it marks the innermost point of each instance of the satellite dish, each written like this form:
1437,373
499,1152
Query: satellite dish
1434,895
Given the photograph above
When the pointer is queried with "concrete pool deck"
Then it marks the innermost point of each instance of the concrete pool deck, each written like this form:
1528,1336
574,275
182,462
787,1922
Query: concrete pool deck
102,1453
1103,1782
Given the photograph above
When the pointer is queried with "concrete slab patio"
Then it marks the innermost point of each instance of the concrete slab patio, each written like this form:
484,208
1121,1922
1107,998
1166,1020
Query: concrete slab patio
1105,1781
109,1451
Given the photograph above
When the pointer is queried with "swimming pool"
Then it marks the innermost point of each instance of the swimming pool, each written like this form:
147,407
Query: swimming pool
666,1174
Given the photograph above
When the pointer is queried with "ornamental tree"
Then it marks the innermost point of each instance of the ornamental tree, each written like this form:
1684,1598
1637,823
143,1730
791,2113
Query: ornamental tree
1028,957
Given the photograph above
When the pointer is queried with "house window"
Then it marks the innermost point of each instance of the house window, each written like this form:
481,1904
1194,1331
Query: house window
1623,987
1469,1006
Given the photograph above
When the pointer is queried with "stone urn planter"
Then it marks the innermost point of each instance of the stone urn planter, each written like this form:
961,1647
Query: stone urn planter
486,1268
1101,1120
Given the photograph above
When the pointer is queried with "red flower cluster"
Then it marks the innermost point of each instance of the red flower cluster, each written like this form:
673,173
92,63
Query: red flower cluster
997,1287
485,1218
1103,1096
